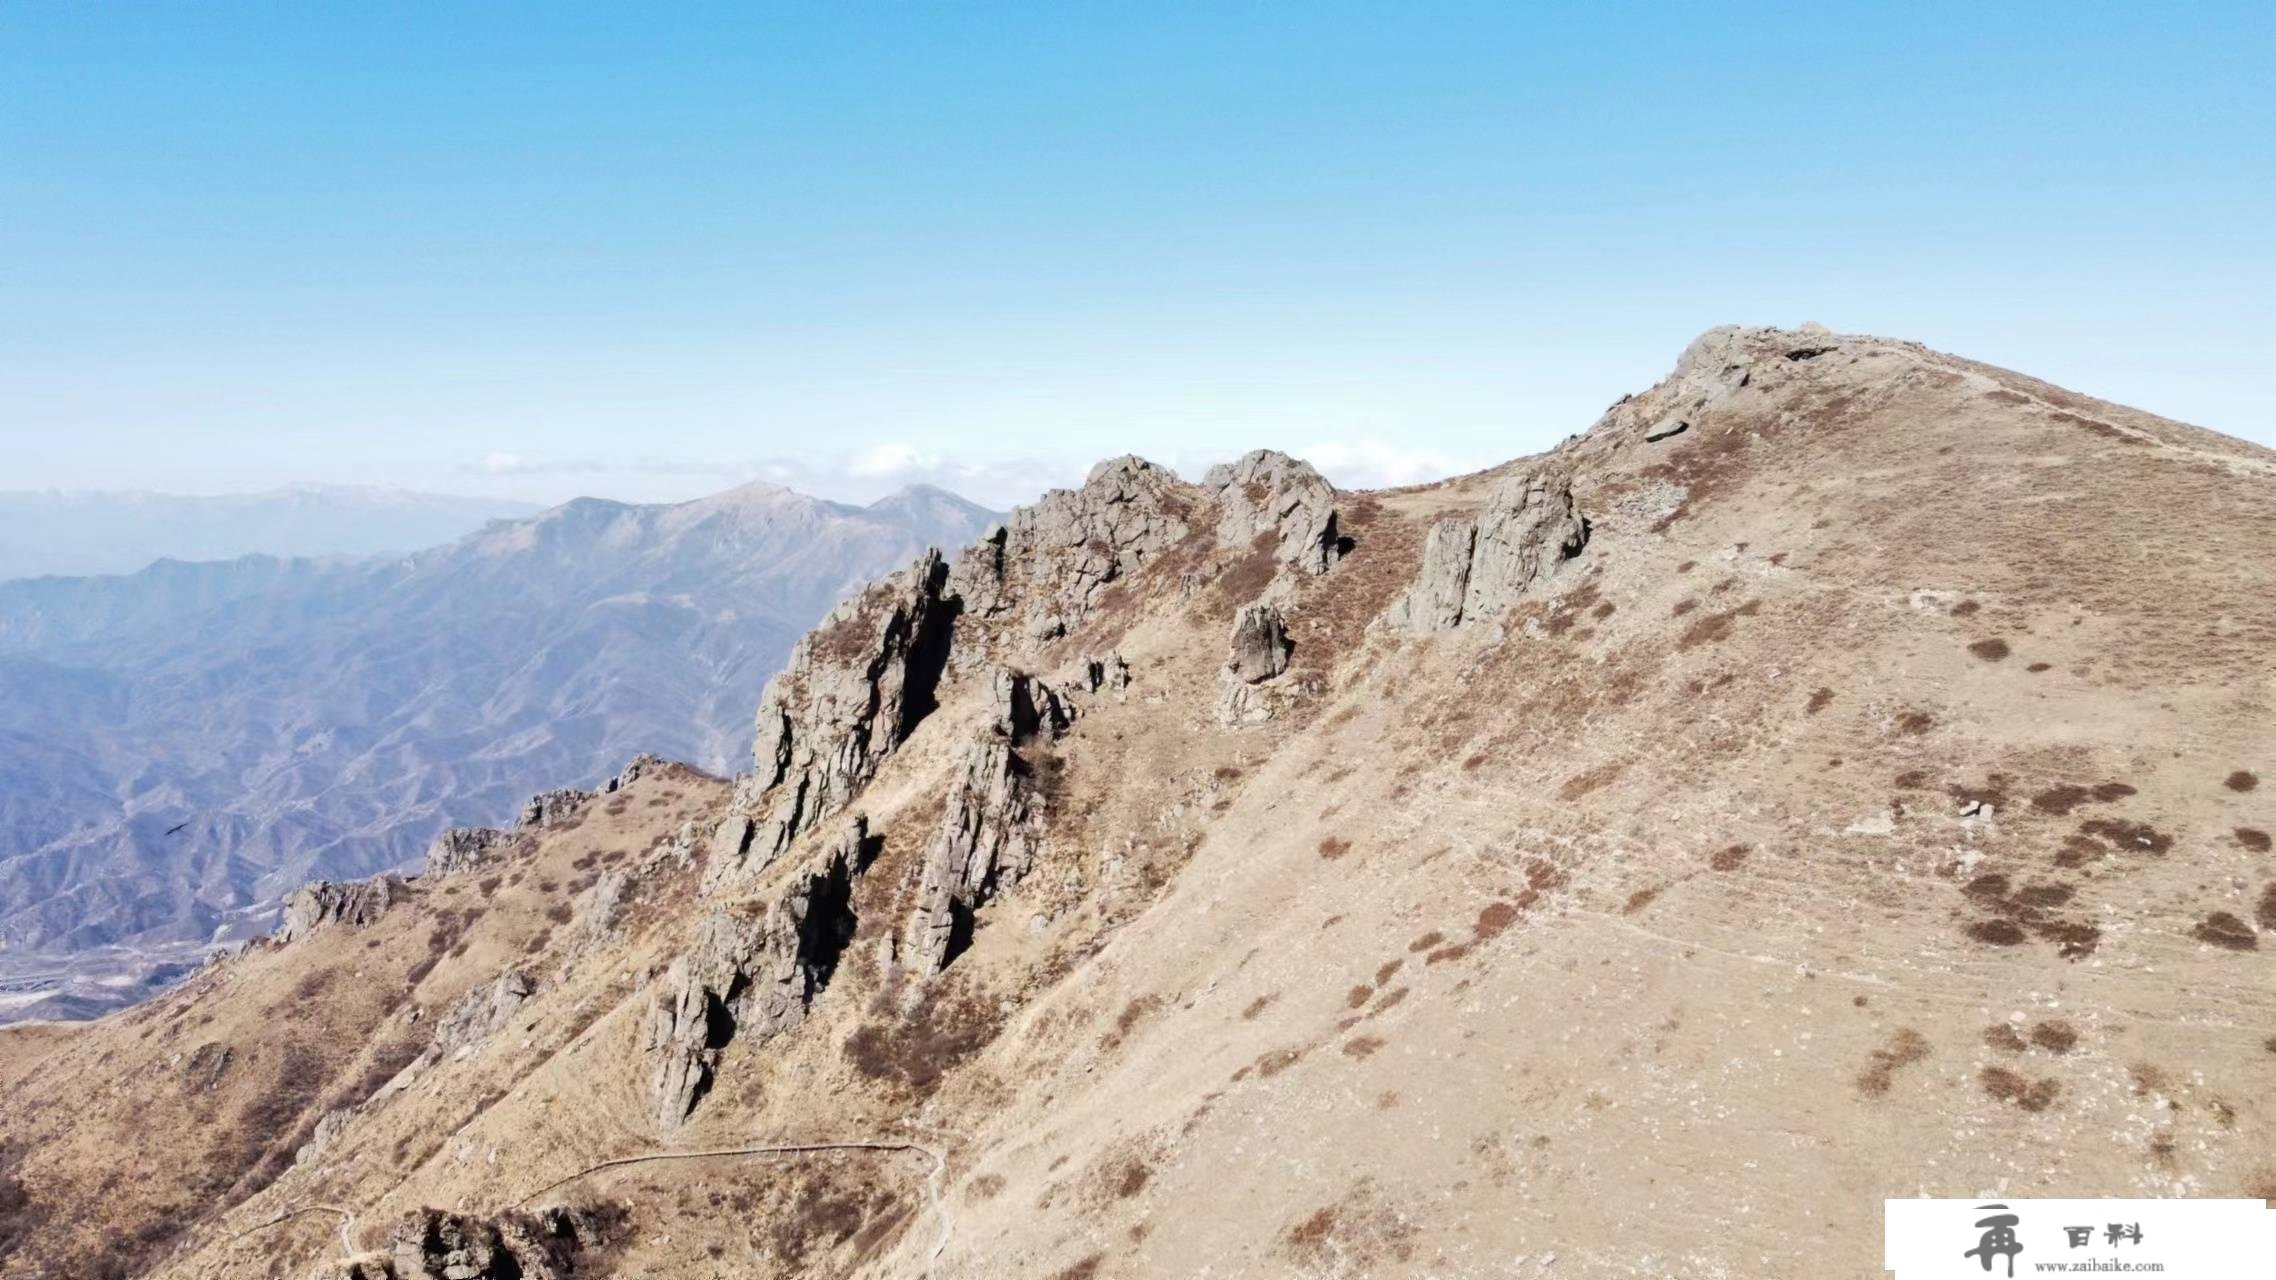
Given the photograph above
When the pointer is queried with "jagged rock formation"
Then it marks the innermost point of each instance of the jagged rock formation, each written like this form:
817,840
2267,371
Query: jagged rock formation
480,1013
558,805
640,766
987,840
1260,644
1474,568
752,973
462,849
1052,561
358,902
436,1245
855,688
1267,492
1025,706
1108,673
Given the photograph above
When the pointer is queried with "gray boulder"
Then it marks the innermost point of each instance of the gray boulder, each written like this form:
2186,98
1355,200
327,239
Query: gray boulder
1475,568
1265,493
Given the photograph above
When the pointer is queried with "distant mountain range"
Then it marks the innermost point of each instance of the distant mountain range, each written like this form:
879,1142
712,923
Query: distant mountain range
182,745
85,533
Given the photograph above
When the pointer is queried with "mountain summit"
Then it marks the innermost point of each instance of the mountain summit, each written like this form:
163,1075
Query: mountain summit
1835,774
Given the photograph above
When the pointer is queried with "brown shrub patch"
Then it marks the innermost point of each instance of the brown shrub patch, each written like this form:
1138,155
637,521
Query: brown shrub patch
917,1050
2037,667
1729,857
1820,699
2066,797
1906,1046
1915,722
1364,1046
1277,1061
2128,836
1388,1000
1445,954
2241,780
1992,650
1639,900
1580,784
1716,626
1257,1006
1966,608
1333,847
1426,941
2226,931
1494,921
1087,1269
2055,1036
2252,838
2002,1037
1997,933
1384,971
1358,996
2004,1085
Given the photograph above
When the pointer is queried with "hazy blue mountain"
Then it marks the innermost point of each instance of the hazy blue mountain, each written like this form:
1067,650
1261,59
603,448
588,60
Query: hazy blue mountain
184,743
87,533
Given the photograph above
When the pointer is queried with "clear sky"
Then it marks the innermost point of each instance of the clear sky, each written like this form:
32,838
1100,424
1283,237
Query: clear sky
647,251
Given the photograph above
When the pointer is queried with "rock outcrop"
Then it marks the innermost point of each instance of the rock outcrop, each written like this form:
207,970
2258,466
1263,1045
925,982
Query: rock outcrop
1106,673
436,1245
479,1014
558,805
1260,644
987,840
327,902
1267,492
462,849
1474,568
1050,564
1025,707
753,972
856,687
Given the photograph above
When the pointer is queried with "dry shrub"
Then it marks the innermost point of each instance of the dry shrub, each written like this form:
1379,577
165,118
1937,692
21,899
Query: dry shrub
2007,1086
2241,780
2003,1037
1992,650
2226,931
1906,1046
1820,699
1334,847
2252,838
917,1050
2055,1036
1729,857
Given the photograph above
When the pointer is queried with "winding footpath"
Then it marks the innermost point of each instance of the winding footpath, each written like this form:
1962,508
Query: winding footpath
934,1199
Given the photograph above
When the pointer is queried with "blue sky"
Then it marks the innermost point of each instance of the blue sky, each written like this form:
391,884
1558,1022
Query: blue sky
650,251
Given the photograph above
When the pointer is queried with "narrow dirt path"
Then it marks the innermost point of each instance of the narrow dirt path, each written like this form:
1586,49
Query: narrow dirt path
935,1199
347,1226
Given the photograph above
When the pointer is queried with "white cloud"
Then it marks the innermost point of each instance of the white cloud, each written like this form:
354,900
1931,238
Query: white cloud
1379,464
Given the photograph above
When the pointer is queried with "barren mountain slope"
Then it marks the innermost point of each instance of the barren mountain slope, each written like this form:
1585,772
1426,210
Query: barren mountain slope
1835,775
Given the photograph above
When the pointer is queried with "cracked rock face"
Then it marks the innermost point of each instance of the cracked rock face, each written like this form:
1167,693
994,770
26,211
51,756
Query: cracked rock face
463,849
480,1013
1269,492
559,805
434,1245
753,972
987,840
1475,568
855,688
1049,565
326,902
1260,644
1025,706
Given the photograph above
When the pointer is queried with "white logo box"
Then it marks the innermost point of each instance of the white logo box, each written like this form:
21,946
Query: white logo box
2178,1239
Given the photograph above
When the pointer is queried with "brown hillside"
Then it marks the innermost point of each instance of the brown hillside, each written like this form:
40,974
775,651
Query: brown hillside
1837,774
